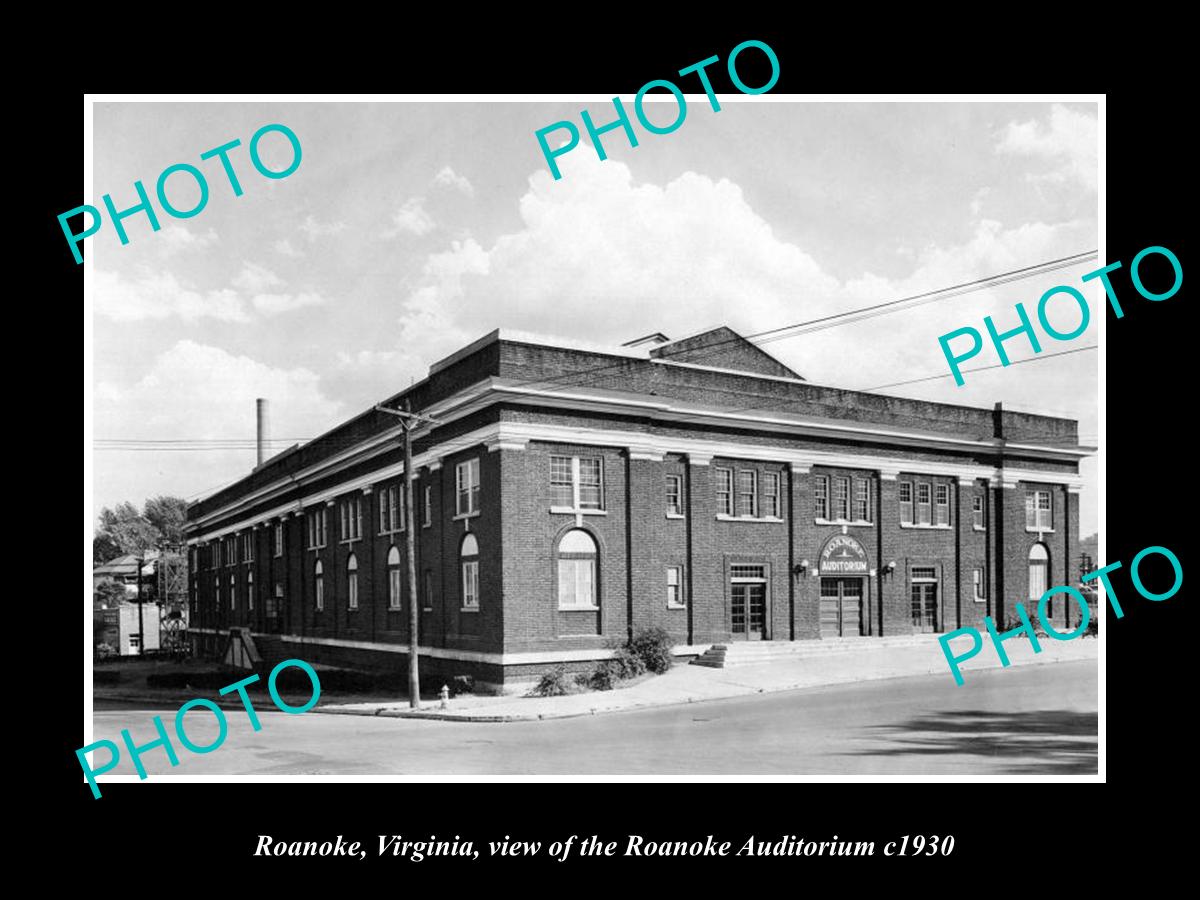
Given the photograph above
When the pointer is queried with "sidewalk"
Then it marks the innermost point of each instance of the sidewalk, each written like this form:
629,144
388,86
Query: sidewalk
691,684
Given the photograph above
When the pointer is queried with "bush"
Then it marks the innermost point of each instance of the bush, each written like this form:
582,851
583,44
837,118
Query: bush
626,663
554,683
462,684
606,675
653,647
104,651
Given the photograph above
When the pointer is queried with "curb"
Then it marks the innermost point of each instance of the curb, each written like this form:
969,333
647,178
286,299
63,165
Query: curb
439,715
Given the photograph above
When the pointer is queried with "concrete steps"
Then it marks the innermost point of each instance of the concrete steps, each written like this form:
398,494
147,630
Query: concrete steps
754,653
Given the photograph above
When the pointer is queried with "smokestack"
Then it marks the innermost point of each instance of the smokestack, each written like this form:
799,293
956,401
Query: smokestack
263,415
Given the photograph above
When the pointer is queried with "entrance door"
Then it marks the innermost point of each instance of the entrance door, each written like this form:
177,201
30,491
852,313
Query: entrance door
748,602
924,606
841,607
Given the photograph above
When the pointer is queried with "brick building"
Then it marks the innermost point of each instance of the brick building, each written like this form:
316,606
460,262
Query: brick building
566,497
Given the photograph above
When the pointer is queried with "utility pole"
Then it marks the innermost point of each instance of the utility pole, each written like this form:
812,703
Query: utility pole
140,561
409,421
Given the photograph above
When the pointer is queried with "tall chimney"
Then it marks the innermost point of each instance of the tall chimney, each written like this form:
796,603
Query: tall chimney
263,411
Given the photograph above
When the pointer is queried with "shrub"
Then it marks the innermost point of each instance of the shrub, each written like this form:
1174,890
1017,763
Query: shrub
104,651
653,647
584,679
626,663
462,684
606,675
554,683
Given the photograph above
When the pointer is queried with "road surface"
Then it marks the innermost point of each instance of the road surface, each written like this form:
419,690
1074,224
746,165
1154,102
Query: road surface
1030,720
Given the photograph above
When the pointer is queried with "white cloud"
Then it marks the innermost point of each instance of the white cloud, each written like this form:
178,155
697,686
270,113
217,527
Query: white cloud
273,304
151,295
1069,139
284,248
313,229
254,278
412,219
192,392
177,237
447,177
160,295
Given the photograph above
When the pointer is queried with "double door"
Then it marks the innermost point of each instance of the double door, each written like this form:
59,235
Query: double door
748,610
841,607
924,607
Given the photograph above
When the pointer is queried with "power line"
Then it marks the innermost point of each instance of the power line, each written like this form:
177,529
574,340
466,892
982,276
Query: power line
985,368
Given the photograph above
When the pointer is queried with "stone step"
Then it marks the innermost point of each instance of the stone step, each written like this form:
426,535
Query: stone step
749,653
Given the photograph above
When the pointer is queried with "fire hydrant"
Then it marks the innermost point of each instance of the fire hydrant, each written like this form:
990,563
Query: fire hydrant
444,693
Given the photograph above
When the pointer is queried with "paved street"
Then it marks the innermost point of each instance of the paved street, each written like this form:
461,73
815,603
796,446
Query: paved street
1033,720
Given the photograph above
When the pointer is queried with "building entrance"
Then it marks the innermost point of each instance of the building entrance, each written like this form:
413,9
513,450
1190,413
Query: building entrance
841,607
748,602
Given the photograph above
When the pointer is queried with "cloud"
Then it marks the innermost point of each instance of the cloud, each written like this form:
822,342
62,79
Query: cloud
152,295
254,277
273,304
412,219
447,177
313,229
1069,140
177,237
196,392
284,248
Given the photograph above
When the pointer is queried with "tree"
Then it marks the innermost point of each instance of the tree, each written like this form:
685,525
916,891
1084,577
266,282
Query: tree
108,595
128,528
104,548
168,515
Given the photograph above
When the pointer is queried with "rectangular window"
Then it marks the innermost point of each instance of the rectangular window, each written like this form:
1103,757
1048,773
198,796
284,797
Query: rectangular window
725,492
352,587
821,496
1039,510
250,591
841,499
576,482
923,495
562,484
428,505
943,504
576,583
278,539
748,493
319,592
591,487
977,511
216,554
466,477
316,528
231,551
906,502
977,577
470,574
428,590
772,507
351,513
233,592
924,573
394,587
674,587
674,495
385,507
397,508
862,500
343,508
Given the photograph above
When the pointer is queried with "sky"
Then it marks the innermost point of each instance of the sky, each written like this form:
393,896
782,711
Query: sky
410,229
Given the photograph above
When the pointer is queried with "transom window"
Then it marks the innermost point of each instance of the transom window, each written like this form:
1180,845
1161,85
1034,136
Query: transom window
1039,510
577,556
577,482
470,573
924,573
741,572
466,478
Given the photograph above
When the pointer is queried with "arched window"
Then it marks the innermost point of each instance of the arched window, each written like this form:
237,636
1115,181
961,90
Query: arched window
470,573
577,571
1039,568
250,591
393,564
319,585
352,581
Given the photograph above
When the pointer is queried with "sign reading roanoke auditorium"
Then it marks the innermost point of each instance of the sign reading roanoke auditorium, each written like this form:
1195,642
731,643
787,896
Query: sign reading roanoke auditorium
843,555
